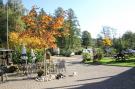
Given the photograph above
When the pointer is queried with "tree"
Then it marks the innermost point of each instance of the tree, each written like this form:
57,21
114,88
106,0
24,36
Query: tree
61,42
107,41
1,4
40,32
118,44
129,39
71,41
59,12
108,32
72,24
3,20
15,11
99,42
86,39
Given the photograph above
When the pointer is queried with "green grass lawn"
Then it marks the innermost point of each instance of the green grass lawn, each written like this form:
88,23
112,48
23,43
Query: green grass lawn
110,61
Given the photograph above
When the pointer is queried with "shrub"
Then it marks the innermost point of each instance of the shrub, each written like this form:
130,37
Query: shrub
65,52
39,56
78,52
68,53
16,57
62,52
98,55
86,57
113,52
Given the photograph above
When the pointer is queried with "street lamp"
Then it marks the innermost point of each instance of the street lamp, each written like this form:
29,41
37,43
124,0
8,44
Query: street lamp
7,26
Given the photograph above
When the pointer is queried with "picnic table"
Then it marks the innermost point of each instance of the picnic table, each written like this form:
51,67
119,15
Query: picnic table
120,57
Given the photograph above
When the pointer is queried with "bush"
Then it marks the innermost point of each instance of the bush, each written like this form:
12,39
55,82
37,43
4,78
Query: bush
68,53
86,57
65,52
113,52
16,57
78,52
62,52
98,55
39,56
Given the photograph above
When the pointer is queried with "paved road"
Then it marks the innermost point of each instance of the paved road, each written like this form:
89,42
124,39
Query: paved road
88,77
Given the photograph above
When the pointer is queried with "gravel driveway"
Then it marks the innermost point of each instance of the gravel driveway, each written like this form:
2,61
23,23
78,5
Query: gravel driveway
88,77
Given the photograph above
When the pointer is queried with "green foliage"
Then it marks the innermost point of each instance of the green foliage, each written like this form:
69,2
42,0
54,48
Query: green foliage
118,44
68,53
15,11
39,56
97,55
86,39
126,42
113,51
99,42
72,41
1,3
65,52
86,57
3,26
100,53
129,40
16,56
62,52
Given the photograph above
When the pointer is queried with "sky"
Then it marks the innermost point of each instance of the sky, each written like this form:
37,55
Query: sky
94,14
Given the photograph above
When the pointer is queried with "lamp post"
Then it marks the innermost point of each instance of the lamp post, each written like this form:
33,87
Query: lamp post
7,26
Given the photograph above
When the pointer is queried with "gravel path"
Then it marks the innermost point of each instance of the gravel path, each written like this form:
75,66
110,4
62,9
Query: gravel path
88,77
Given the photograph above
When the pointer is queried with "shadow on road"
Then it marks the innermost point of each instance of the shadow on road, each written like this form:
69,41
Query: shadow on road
125,80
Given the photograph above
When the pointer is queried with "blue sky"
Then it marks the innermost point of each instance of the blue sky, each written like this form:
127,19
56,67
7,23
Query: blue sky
94,14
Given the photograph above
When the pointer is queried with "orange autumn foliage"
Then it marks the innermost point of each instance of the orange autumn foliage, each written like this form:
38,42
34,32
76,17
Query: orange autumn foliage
41,30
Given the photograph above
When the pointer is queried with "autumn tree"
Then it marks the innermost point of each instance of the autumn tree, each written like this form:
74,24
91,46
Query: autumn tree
107,41
41,30
60,40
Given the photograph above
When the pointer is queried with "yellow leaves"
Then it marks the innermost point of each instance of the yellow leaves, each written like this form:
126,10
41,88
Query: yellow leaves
13,36
107,41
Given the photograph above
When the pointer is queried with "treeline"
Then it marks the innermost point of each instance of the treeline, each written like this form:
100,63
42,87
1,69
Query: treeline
74,41
108,41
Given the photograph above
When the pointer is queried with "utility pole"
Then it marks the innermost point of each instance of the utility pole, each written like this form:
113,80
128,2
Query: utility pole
45,64
7,27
